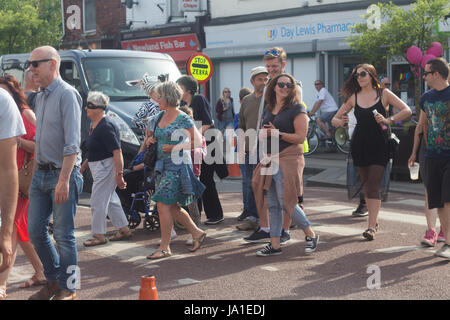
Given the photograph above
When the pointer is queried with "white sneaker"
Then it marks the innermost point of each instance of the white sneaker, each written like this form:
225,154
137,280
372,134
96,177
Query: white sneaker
443,252
172,236
190,241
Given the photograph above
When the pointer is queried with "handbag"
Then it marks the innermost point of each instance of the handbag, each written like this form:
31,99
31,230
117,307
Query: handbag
151,152
25,176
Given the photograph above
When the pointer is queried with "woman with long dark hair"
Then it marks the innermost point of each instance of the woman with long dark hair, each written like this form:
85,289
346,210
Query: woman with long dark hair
276,179
369,143
25,147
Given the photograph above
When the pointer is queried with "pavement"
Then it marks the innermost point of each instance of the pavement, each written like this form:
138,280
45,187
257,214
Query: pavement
329,169
227,268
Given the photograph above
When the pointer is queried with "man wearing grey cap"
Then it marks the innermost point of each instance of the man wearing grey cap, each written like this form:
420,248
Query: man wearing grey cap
248,118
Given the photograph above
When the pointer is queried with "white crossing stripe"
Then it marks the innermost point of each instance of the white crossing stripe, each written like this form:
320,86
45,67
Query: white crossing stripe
269,268
410,202
405,249
383,215
187,281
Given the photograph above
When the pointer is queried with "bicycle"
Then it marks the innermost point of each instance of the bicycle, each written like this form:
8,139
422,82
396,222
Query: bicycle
340,138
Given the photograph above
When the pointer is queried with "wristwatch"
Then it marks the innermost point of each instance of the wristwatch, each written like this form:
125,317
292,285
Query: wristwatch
392,119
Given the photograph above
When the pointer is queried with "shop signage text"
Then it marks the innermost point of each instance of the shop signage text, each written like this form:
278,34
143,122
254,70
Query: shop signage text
163,44
189,5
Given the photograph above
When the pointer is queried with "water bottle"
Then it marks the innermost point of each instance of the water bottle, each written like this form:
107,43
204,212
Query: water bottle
382,125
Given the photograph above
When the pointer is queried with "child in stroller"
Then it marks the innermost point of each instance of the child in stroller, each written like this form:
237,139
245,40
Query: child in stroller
136,198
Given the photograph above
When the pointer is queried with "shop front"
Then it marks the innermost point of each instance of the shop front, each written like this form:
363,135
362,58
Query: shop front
315,45
179,47
179,41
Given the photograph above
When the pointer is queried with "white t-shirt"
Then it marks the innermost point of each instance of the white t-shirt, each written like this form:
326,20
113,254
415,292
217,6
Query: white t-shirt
328,103
11,124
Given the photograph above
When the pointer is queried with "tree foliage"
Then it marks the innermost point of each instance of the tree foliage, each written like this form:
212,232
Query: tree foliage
26,24
400,29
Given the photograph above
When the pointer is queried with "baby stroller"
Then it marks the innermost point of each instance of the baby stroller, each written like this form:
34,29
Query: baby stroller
136,199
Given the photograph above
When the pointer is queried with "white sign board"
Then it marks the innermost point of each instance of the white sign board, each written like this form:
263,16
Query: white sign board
285,30
189,5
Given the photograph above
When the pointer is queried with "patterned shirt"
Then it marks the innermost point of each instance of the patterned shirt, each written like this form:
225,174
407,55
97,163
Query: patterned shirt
147,110
436,105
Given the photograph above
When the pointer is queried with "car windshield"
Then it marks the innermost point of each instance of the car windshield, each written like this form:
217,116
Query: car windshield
115,76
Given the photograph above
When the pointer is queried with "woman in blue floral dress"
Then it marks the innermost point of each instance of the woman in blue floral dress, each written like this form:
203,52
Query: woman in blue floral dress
176,185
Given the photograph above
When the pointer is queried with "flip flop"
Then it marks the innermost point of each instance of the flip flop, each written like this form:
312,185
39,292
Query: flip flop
119,235
196,244
32,282
163,254
3,294
94,242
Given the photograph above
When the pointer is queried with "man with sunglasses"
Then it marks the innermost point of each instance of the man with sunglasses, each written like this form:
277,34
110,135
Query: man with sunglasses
57,181
435,119
327,106
275,61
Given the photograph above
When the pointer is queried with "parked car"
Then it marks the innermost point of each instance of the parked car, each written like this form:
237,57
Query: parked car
109,71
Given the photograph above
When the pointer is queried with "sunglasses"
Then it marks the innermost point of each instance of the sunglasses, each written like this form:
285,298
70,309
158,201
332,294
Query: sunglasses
428,72
288,85
93,106
362,74
317,84
273,52
35,63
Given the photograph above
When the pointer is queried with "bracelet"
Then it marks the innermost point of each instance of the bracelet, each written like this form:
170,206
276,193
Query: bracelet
120,173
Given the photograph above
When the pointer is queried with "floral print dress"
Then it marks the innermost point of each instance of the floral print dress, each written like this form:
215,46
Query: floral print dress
168,183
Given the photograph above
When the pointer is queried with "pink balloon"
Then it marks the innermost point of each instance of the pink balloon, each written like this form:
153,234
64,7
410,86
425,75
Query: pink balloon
414,55
426,58
435,50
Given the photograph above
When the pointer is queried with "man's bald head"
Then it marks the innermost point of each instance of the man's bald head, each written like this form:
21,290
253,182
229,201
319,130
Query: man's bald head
47,68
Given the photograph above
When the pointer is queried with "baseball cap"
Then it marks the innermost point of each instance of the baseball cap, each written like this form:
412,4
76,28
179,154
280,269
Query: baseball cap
258,70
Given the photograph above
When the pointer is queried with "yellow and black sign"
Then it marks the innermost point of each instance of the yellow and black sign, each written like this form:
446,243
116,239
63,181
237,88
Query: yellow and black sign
200,67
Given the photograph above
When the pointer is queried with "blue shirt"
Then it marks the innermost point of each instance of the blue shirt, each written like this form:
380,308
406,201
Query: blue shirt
104,139
436,105
58,123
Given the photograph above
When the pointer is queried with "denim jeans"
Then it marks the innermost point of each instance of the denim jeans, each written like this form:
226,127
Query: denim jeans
247,191
276,208
60,264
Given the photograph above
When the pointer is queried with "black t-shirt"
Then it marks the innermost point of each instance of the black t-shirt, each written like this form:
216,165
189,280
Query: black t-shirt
103,140
201,109
284,122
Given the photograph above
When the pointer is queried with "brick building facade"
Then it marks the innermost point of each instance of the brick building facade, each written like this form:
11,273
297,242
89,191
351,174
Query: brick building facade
92,24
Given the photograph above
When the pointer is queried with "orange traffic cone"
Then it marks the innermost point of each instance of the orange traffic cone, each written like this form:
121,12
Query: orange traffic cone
233,168
148,289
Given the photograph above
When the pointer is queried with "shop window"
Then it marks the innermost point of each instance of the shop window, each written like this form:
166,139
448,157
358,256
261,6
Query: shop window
89,16
403,83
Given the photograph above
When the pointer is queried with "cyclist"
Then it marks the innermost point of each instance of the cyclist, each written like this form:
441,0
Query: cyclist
327,106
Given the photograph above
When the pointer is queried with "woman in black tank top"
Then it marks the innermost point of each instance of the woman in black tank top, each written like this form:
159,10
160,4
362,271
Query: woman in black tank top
369,142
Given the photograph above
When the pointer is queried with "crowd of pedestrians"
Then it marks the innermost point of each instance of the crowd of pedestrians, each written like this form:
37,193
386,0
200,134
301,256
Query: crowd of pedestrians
46,127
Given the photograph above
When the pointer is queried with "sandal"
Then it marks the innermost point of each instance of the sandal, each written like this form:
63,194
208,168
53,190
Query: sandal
196,243
369,234
94,242
121,235
3,294
33,282
162,254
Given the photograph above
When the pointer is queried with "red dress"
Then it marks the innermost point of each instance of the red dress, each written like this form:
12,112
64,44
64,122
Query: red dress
21,217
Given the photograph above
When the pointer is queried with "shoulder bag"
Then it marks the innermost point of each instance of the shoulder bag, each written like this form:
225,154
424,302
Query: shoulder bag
151,153
25,176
